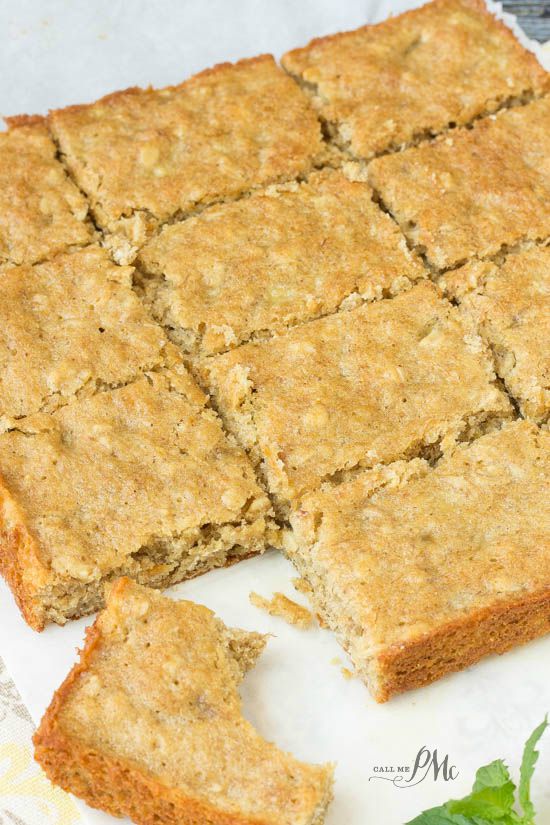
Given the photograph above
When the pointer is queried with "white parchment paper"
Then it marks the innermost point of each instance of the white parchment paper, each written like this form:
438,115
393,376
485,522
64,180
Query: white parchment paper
56,52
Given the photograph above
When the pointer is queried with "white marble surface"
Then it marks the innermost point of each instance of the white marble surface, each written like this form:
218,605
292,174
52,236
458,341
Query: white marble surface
56,52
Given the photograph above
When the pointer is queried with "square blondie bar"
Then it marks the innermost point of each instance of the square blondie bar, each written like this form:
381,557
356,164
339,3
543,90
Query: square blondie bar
421,572
149,723
390,379
510,303
475,192
144,156
138,481
41,210
69,328
286,254
384,87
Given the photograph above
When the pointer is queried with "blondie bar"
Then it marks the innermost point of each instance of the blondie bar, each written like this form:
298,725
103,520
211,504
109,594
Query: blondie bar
384,87
377,383
149,723
68,328
138,481
475,192
284,255
421,572
143,156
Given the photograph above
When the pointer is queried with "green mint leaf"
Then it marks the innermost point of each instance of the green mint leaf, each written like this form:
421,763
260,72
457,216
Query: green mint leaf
489,803
492,799
528,762
442,816
494,775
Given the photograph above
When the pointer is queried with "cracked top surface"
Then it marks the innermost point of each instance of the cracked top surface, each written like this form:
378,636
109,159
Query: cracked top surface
432,546
286,254
164,151
68,328
384,86
160,683
511,304
473,191
41,210
101,478
361,387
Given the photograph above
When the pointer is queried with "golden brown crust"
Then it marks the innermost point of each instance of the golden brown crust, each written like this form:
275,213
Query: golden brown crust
388,85
20,563
459,644
122,785
130,91
16,121
303,51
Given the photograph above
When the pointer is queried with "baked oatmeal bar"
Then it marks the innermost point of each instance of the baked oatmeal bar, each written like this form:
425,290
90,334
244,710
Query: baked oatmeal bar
41,210
474,192
149,723
69,328
144,156
387,380
510,303
421,572
384,87
287,254
138,481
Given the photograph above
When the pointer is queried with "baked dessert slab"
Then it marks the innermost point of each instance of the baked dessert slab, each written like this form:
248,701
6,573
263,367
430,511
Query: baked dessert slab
421,572
510,303
381,88
42,212
70,327
143,156
140,481
286,254
474,192
388,380
149,724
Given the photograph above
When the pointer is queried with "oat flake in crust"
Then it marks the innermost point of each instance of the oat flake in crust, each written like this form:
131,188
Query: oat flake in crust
143,156
383,87
421,572
41,210
71,327
371,385
475,191
287,254
511,306
149,723
138,481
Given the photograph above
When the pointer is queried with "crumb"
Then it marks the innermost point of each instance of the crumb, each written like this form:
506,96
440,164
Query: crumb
347,673
301,585
283,607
